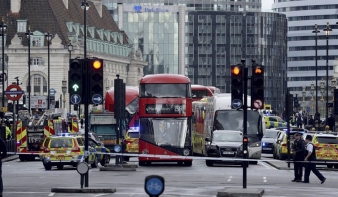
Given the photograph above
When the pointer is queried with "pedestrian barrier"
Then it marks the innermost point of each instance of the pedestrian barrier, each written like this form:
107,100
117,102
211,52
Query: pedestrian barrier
187,157
11,146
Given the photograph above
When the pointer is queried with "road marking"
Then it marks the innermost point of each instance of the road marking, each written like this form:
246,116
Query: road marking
230,177
264,179
266,165
100,195
51,194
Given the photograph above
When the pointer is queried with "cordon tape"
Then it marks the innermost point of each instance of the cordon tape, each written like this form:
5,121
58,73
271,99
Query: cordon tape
183,157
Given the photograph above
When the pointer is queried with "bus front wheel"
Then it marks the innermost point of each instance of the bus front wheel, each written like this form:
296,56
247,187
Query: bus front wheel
188,163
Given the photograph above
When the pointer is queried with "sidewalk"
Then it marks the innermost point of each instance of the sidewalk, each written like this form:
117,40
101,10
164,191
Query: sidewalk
10,158
283,165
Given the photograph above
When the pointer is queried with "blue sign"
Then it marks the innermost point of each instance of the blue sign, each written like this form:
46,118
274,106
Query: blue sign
52,91
308,109
138,8
13,92
236,104
117,148
154,186
75,99
97,99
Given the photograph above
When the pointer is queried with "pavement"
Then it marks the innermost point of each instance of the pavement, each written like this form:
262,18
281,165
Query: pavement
30,179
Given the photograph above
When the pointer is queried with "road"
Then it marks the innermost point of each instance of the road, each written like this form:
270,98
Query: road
30,179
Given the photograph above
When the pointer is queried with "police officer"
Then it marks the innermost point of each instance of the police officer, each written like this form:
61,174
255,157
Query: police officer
298,149
310,166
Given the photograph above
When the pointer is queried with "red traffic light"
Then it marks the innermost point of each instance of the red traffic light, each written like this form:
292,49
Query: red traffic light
97,64
236,70
245,140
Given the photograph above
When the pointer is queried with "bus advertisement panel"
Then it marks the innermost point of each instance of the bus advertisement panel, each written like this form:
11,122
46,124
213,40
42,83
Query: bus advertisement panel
198,136
165,110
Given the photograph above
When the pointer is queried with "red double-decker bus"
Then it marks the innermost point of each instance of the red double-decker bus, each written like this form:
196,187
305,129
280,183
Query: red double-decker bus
165,114
198,92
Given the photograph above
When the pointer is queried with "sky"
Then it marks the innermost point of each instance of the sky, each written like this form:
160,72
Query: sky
266,4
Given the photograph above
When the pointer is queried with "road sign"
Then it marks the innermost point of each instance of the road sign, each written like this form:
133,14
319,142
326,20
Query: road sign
52,91
236,104
75,99
154,185
9,92
97,99
258,104
308,109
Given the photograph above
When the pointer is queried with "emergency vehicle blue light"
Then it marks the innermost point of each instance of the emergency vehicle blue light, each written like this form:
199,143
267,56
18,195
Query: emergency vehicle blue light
135,128
263,144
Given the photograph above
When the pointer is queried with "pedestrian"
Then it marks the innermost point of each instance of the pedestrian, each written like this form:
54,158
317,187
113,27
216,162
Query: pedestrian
81,122
298,149
311,158
3,151
299,121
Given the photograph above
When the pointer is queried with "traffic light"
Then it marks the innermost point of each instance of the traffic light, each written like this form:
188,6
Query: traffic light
245,144
257,87
295,101
24,100
119,99
75,76
95,67
237,86
76,107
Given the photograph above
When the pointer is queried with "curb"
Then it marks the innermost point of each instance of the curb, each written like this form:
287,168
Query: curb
10,158
83,190
122,165
278,167
117,168
236,192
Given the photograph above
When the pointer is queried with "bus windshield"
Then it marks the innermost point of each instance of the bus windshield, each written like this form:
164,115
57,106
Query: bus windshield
199,93
233,120
164,132
164,91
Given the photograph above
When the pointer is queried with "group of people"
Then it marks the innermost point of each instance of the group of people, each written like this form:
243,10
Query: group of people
304,154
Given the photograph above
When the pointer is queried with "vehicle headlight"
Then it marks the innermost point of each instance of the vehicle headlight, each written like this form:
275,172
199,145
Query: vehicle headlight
255,144
263,144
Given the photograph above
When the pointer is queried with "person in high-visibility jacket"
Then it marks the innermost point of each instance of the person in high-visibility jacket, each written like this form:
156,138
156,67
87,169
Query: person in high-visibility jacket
8,133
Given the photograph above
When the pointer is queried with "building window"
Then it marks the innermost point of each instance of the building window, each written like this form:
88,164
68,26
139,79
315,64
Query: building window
39,85
21,25
36,41
36,61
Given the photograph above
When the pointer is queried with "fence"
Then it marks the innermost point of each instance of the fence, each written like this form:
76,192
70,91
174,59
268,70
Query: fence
11,146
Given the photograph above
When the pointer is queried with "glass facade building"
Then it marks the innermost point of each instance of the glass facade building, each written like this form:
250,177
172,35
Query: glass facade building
217,40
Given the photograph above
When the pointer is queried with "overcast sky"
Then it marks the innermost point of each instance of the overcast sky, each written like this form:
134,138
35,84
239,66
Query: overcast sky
266,4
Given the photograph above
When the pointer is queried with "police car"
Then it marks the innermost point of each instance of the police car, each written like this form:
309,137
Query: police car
67,149
131,140
274,122
326,146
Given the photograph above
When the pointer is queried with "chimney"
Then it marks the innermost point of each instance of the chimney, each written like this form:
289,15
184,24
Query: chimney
66,3
98,6
15,6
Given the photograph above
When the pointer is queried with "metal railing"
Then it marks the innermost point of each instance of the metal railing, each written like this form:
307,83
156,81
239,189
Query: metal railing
11,146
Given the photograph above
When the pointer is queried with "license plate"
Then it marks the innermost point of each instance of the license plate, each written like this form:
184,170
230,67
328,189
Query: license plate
228,153
267,148
60,158
61,151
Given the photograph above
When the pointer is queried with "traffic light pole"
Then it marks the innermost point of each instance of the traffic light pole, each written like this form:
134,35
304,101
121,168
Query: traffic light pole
288,112
245,118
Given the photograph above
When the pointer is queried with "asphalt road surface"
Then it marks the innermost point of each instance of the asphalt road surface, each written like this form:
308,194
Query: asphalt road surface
30,179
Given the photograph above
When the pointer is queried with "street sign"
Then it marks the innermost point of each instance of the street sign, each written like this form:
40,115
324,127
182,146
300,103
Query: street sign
154,185
52,91
258,104
75,99
236,104
308,109
9,92
97,99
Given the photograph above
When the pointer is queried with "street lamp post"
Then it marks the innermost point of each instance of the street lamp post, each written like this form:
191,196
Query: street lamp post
70,49
49,38
333,87
327,30
85,7
3,27
303,97
316,31
312,91
64,90
29,34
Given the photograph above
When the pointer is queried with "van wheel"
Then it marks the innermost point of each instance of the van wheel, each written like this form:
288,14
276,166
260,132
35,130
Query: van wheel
60,167
22,157
126,158
141,163
105,160
336,166
331,166
209,163
47,166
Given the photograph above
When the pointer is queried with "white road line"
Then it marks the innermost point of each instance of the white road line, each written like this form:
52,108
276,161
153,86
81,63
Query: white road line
51,194
264,179
100,195
230,177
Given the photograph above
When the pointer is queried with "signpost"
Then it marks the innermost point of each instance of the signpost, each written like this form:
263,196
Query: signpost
258,104
97,99
10,92
75,99
237,104
52,91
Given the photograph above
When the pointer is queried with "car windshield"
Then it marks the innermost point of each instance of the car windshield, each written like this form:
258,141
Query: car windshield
327,140
134,134
270,134
227,137
61,143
